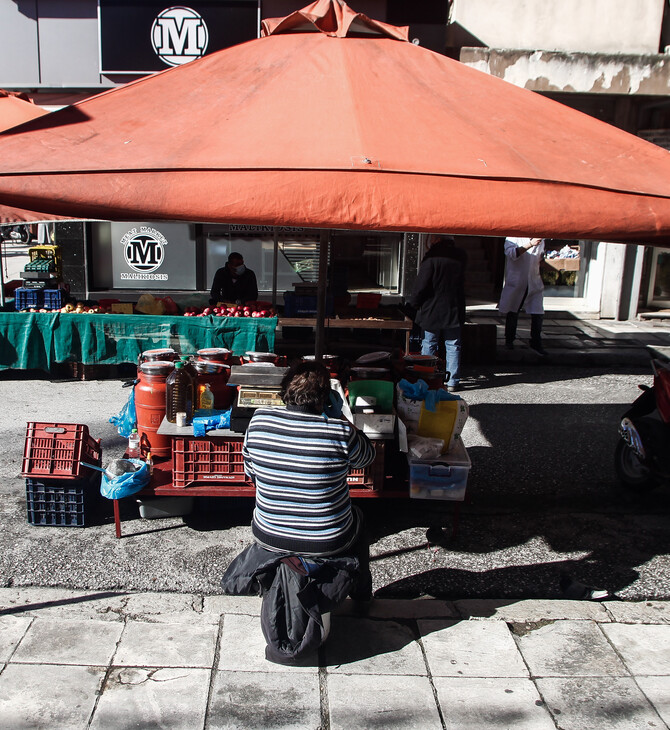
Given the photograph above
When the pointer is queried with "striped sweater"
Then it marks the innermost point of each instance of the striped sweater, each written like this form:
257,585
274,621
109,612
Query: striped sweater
299,462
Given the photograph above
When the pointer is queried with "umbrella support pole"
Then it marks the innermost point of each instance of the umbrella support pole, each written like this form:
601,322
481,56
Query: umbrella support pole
324,249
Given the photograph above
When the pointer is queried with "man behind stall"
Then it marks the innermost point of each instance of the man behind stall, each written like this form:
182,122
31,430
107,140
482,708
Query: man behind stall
234,282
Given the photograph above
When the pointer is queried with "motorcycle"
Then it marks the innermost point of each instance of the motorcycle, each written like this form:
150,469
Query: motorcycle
642,455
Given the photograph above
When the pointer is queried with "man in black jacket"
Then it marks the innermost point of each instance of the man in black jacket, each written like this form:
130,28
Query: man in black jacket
234,282
439,298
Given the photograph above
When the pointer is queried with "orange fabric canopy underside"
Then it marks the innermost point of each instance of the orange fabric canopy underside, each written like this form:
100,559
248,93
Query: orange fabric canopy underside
315,130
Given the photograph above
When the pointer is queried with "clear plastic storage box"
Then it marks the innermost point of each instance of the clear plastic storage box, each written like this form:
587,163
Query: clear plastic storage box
445,478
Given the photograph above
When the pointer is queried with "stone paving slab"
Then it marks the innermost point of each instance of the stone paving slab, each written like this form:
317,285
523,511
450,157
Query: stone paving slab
396,608
531,610
48,696
475,703
585,703
152,698
242,649
471,649
12,630
568,649
262,700
645,649
217,605
64,603
657,691
48,641
364,646
648,612
166,645
387,701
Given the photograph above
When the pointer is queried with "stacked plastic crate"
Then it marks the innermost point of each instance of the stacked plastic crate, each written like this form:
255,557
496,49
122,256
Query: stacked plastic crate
41,280
60,488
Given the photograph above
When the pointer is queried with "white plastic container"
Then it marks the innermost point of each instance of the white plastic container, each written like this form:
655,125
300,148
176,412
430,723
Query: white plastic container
153,508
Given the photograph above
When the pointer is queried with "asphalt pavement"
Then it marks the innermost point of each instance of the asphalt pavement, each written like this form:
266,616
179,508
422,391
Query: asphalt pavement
469,630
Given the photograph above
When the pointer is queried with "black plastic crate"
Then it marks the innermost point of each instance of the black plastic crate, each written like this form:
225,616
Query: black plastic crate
64,503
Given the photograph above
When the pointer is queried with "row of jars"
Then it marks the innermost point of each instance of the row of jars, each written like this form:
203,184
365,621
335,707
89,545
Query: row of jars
160,393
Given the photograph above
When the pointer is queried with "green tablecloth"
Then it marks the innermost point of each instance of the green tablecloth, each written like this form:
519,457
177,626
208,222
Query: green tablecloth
38,340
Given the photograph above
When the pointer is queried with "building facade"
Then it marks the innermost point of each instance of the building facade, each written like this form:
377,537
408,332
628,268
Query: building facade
606,58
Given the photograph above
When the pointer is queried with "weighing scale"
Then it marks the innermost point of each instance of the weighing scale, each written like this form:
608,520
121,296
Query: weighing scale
258,386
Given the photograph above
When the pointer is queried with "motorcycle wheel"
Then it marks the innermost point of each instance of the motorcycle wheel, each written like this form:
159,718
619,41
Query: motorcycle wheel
632,473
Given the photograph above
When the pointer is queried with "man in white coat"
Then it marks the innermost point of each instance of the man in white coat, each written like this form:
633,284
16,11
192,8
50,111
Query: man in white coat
523,289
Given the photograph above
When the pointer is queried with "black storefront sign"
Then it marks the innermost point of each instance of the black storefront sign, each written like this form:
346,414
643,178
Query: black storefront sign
143,37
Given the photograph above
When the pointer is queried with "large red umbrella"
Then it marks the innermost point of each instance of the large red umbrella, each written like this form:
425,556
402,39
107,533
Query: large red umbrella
16,108
333,120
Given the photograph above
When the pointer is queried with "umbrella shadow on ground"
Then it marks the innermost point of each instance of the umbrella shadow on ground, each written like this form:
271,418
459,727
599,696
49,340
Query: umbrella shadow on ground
545,491
573,580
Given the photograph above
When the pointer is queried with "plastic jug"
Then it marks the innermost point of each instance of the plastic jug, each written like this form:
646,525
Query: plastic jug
179,393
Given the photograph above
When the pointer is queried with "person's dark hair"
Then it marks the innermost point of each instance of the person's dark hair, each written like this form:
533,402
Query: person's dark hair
234,256
306,384
442,247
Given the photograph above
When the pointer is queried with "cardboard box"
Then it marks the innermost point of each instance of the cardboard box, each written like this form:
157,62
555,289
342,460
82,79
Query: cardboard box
445,478
375,424
409,410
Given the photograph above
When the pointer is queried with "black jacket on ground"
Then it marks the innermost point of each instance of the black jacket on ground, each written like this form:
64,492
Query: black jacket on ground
296,592
224,289
439,291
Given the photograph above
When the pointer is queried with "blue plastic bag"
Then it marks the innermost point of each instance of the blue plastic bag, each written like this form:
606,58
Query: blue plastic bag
210,420
126,484
420,391
126,421
413,391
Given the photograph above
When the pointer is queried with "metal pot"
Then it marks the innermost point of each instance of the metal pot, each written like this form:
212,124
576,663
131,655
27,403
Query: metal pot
269,358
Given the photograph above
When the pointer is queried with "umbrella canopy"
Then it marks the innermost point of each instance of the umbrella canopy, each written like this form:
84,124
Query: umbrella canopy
333,120
16,108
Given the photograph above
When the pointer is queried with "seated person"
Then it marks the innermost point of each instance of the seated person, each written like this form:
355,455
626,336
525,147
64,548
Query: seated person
299,460
310,551
234,282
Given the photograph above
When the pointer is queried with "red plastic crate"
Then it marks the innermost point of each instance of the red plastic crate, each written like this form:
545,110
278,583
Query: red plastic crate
372,476
56,450
216,459
206,460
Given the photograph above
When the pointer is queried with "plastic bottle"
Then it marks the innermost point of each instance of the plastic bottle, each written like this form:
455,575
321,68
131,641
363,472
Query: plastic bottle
205,397
179,393
134,445
189,366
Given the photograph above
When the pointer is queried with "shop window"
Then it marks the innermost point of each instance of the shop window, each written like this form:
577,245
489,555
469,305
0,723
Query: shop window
563,268
364,261
659,289
357,262
298,258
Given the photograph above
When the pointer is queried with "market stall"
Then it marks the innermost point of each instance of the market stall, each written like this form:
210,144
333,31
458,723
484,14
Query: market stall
418,450
302,110
40,340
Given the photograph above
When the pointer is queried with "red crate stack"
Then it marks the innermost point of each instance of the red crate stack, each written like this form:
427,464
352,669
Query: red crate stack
57,450
206,460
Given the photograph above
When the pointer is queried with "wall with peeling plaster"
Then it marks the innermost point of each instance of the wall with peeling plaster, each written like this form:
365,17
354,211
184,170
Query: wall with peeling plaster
582,73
